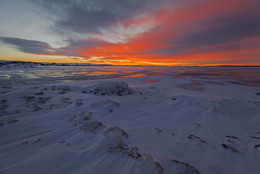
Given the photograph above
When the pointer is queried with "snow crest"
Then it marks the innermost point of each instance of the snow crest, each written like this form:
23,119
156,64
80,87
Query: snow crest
110,88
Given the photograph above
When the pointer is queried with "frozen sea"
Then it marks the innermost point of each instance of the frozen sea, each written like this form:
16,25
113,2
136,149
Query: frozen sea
129,120
25,75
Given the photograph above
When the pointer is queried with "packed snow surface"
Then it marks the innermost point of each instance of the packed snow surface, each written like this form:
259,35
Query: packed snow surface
187,120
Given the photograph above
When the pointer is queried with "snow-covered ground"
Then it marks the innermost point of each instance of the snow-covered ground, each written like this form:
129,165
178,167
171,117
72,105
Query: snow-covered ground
186,120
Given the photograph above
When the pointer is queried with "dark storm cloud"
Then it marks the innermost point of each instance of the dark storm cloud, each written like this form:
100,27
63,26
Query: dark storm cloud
89,16
226,30
216,34
35,47
30,46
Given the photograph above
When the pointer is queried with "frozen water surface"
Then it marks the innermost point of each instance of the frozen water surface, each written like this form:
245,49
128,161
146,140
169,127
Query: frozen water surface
53,74
129,120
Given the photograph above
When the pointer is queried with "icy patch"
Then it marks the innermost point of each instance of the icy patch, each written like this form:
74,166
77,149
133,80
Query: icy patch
110,88
192,86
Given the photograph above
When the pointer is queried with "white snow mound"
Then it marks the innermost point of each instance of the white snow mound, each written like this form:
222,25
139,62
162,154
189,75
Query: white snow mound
110,88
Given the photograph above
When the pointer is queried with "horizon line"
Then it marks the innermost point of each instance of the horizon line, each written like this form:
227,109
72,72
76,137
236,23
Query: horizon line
206,65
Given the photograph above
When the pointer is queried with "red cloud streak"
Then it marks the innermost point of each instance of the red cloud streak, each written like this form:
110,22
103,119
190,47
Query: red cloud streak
188,33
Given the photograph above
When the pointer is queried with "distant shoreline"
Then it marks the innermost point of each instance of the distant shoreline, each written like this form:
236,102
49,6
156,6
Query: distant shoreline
6,62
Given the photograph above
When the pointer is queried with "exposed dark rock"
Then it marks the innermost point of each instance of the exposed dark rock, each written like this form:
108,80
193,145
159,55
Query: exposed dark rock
110,88
232,137
257,146
196,138
88,116
230,148
39,93
158,130
3,101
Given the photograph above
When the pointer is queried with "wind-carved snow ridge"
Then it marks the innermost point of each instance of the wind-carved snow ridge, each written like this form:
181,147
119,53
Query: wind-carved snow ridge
119,157
113,140
110,88
143,162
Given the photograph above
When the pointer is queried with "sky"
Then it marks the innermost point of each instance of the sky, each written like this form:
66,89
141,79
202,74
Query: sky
131,32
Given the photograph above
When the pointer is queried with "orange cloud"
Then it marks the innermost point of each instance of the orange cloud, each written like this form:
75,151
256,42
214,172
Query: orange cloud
165,43
186,33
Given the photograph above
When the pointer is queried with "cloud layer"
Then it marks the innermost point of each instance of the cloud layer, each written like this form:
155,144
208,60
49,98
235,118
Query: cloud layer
151,32
35,47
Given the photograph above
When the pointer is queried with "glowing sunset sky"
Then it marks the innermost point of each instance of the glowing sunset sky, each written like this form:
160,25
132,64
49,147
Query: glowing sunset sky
143,32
